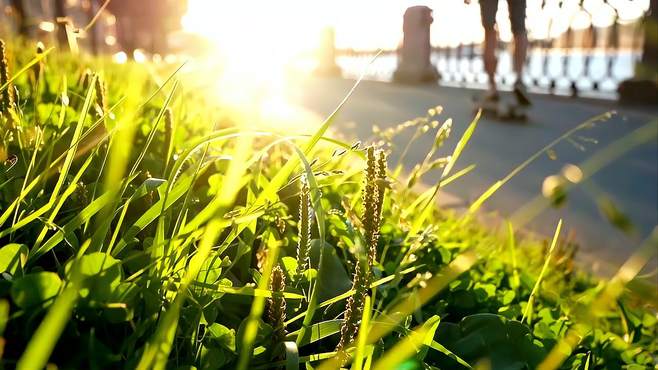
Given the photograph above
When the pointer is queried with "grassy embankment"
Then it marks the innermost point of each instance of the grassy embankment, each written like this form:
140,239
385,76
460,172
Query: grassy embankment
140,228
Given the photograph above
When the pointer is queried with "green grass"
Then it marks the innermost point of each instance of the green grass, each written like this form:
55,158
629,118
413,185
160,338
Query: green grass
139,228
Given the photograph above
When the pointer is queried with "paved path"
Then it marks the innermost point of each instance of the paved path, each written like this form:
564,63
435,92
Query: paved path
496,148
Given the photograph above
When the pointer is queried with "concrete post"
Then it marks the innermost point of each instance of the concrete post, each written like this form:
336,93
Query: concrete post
414,65
20,13
60,14
643,87
648,67
327,54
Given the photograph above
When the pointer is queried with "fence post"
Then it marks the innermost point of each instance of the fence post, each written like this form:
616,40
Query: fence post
649,64
19,11
60,14
327,54
414,64
643,87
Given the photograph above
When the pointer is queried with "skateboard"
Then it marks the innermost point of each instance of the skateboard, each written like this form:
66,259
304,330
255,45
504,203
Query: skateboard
504,110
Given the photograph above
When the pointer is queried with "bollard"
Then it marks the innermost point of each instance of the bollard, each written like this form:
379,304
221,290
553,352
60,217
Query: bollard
327,55
643,87
414,64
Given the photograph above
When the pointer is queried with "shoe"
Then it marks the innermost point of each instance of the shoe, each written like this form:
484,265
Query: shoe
521,95
491,96
489,101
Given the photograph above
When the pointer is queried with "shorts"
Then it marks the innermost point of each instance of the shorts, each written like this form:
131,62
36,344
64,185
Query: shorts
488,9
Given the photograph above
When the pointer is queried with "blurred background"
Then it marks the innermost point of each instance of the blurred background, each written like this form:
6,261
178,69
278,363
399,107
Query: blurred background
287,64
577,47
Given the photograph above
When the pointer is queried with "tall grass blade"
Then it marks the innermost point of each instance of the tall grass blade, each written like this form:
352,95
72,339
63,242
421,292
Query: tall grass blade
590,166
527,312
363,335
459,148
38,58
407,347
292,356
499,183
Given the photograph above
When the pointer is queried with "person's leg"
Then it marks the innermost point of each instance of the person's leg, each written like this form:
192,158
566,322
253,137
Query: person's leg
517,11
488,10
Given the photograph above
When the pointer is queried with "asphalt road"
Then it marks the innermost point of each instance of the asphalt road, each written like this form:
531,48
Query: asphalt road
630,181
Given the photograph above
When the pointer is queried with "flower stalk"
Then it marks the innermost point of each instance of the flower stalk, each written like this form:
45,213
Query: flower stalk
7,94
101,97
276,305
304,227
374,189
169,136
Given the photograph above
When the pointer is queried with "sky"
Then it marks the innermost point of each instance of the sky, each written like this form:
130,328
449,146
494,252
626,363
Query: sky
295,25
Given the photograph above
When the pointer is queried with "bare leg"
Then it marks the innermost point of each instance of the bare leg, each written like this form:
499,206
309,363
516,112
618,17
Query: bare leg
490,62
520,53
517,17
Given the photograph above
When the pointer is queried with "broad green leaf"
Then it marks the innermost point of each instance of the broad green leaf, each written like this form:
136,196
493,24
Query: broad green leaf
33,289
222,335
45,337
506,343
100,275
13,257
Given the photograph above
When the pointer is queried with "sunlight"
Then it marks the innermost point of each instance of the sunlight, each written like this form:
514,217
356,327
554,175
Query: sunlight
256,54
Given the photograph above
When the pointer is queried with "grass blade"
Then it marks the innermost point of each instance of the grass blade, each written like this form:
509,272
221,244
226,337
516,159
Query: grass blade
292,356
528,308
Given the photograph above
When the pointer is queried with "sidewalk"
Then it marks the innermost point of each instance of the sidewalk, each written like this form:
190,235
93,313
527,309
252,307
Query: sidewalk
496,148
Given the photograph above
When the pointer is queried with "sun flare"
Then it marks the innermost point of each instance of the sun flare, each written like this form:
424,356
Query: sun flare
260,49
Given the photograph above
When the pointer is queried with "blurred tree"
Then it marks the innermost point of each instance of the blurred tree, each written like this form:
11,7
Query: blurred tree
60,12
91,9
21,16
643,87
146,23
650,48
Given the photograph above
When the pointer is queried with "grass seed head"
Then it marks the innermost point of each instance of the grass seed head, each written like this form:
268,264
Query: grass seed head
85,77
276,305
442,133
354,308
37,69
369,196
169,135
101,96
6,95
304,227
373,197
381,183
